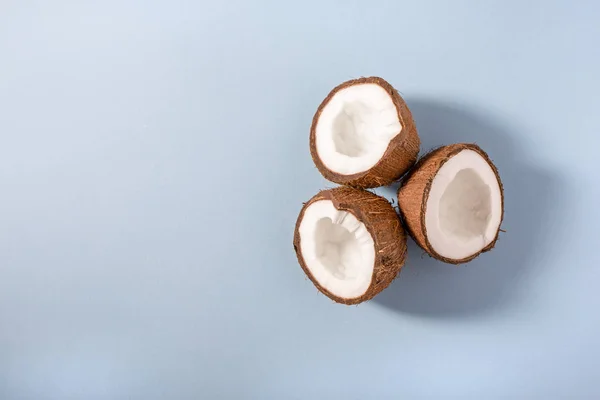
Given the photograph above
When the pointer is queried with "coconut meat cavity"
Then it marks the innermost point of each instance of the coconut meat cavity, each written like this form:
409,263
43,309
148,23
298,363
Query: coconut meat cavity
337,248
464,207
355,128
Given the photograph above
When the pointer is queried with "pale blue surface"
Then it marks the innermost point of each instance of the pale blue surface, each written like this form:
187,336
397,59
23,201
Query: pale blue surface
154,157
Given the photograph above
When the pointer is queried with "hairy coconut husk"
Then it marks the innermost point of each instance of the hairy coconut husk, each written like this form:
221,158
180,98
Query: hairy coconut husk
381,221
402,151
414,193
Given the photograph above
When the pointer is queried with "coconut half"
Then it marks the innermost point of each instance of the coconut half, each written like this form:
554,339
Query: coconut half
350,243
363,134
452,203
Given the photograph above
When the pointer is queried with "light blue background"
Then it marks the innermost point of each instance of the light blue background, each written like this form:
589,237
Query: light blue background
154,156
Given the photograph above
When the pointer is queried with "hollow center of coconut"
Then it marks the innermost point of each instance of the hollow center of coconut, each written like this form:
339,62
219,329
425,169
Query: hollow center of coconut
355,128
337,249
464,207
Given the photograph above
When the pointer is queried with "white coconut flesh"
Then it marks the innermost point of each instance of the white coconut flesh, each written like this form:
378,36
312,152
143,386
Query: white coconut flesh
337,249
355,128
464,208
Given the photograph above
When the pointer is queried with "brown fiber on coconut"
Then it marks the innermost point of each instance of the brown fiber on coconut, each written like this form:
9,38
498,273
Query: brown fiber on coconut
363,134
452,203
350,243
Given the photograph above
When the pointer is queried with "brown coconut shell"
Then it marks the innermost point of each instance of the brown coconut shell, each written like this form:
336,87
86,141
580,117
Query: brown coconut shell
381,221
414,193
402,151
